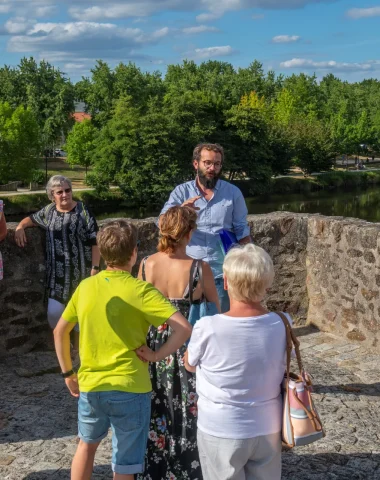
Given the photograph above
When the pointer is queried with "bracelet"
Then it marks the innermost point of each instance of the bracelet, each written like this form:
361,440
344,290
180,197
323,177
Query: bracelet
95,267
68,374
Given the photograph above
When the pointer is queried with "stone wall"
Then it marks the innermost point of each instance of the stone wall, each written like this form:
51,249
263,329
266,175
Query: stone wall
327,273
343,277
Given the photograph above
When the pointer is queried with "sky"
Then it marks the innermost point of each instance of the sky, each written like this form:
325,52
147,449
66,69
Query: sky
288,36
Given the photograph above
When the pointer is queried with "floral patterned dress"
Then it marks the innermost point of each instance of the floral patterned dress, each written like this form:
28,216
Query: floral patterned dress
172,451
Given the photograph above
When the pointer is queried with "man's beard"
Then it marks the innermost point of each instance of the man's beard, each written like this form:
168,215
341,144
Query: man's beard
208,183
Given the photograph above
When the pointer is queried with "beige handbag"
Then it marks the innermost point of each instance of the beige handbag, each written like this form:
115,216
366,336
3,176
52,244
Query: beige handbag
301,424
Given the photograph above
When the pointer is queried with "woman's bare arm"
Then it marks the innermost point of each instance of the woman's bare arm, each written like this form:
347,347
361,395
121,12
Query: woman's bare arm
20,236
3,227
188,367
181,331
209,286
139,275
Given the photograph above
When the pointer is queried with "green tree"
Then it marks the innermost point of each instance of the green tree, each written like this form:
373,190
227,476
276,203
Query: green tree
313,147
249,153
80,144
136,151
50,95
100,93
19,143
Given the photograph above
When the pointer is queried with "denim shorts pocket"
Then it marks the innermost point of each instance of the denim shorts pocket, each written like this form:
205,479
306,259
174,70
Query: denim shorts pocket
126,409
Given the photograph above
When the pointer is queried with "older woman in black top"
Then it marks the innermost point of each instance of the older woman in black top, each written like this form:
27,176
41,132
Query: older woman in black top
71,250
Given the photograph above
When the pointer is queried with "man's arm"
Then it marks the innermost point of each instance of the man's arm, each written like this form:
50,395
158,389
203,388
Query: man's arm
239,220
245,240
175,198
62,348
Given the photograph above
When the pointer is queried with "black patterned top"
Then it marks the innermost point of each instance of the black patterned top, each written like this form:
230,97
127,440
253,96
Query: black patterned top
69,240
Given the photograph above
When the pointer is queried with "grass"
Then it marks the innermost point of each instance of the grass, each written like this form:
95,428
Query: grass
59,166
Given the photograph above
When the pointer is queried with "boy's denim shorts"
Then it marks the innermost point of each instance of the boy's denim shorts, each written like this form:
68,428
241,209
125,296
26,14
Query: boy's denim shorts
128,415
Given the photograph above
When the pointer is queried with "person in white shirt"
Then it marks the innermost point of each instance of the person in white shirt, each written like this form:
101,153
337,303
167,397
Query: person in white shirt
240,359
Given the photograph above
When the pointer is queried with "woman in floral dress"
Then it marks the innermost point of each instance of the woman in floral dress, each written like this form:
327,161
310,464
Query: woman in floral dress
172,451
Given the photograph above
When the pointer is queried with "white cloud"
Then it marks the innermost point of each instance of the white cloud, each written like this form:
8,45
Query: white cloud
42,12
357,13
286,39
4,8
74,66
331,65
199,29
207,17
93,10
72,40
28,8
17,25
211,52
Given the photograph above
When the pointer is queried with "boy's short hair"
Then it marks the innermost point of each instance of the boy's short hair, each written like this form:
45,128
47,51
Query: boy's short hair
117,241
249,271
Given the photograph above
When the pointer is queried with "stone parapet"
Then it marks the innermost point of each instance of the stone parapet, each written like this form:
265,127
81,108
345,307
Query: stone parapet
327,273
343,277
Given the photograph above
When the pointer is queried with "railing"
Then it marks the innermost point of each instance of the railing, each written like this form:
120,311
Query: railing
10,187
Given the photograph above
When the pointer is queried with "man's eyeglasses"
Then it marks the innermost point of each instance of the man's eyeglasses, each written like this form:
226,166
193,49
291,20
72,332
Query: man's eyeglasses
60,192
209,164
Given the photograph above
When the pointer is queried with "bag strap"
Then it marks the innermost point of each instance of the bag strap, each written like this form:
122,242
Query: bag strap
143,268
291,340
191,280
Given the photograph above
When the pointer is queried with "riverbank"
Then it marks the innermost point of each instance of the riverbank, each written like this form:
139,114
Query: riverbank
323,181
19,205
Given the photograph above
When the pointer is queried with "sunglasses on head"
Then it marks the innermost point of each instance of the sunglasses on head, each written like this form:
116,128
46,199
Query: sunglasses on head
60,192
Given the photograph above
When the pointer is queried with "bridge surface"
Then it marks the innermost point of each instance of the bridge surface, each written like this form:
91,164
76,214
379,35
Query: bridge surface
38,416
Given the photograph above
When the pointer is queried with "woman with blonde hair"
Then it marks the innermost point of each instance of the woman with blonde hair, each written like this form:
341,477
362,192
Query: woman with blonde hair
172,448
240,360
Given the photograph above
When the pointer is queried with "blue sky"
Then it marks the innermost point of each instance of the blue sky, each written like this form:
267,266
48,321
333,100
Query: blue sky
289,36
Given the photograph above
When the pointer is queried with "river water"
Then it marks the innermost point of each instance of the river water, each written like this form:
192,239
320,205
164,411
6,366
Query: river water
364,204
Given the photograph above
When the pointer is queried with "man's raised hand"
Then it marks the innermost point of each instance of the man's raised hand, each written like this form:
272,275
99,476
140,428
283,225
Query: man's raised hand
191,201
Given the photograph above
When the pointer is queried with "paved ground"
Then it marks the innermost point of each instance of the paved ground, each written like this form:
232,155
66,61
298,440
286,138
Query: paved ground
38,417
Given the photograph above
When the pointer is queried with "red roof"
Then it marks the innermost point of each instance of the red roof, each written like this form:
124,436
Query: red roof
80,116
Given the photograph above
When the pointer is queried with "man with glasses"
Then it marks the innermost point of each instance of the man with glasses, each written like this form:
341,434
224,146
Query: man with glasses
220,205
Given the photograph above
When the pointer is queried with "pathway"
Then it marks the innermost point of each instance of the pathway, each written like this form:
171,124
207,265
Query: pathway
38,417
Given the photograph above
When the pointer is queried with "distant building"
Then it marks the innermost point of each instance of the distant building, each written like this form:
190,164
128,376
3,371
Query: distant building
80,116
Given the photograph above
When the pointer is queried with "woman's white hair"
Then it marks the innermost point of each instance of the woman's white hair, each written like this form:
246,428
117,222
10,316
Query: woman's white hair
249,272
56,181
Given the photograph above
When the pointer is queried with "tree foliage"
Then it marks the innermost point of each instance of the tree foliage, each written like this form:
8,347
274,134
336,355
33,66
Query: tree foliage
19,143
80,144
148,124
145,124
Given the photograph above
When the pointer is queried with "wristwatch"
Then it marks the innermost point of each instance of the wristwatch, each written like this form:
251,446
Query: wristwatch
95,267
68,374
